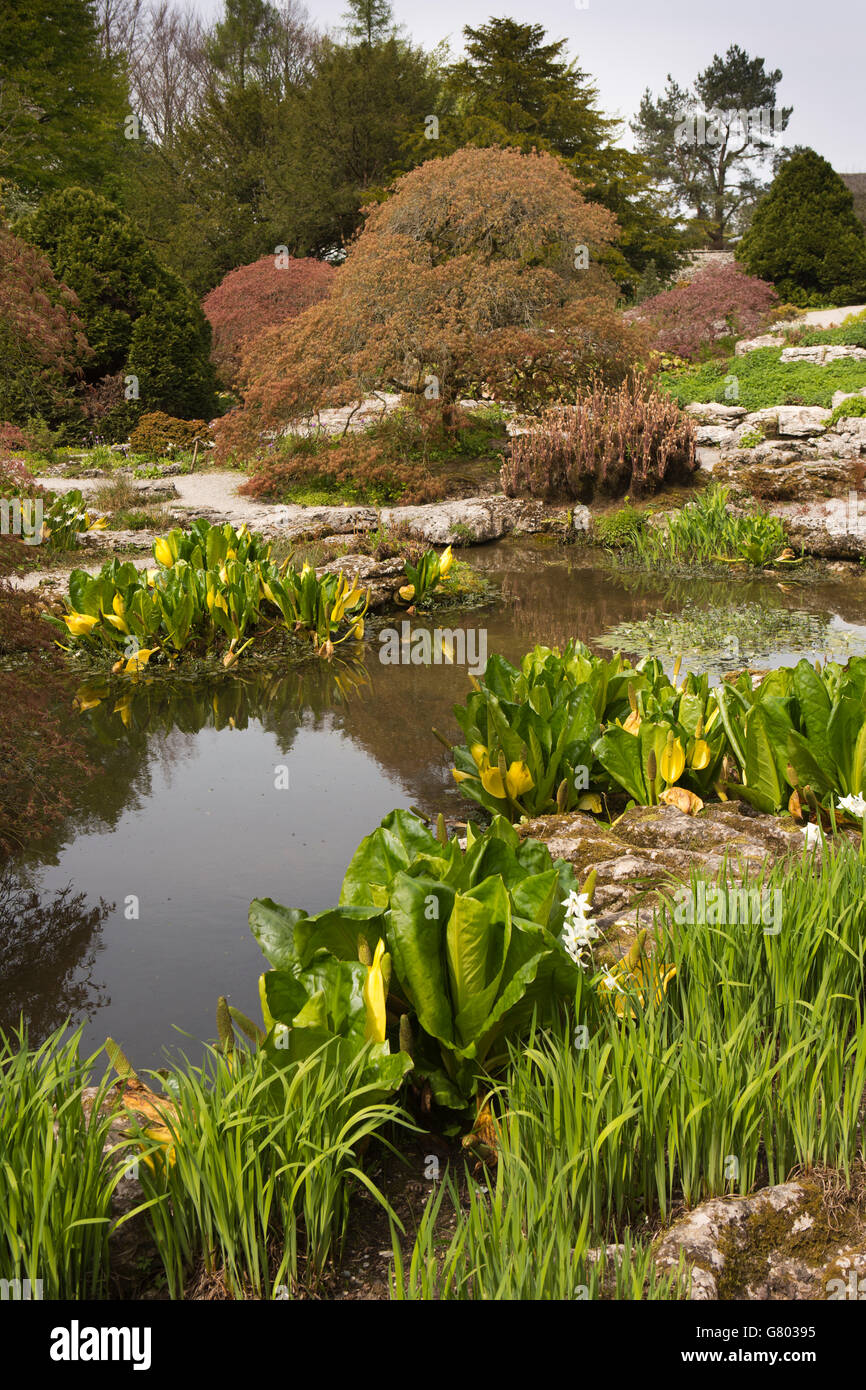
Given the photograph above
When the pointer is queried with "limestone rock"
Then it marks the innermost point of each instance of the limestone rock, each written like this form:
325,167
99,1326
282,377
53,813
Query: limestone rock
715,413
823,353
764,340
780,1243
800,421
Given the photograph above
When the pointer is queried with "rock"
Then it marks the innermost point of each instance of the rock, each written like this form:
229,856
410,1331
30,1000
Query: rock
383,577
840,396
715,413
475,520
784,478
834,529
823,353
799,421
764,340
634,861
851,430
781,1242
715,436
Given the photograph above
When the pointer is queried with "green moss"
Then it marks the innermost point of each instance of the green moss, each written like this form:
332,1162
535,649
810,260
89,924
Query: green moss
748,1248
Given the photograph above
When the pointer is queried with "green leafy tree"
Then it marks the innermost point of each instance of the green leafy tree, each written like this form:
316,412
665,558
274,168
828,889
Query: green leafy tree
516,88
711,143
142,318
348,133
806,237
62,100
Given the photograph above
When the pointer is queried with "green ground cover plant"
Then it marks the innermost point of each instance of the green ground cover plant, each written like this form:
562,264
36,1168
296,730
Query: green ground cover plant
763,380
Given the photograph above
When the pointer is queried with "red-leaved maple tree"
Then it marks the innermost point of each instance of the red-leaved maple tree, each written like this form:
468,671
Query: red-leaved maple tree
720,302
42,341
265,294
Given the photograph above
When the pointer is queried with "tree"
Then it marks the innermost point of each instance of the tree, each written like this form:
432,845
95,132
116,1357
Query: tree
719,302
466,275
212,108
516,89
62,100
711,144
347,134
42,341
138,315
259,296
806,237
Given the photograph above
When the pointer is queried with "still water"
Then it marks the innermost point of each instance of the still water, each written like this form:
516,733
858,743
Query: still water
189,817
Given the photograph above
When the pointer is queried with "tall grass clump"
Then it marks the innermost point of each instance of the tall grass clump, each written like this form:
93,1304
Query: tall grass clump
612,440
251,1182
705,533
55,1184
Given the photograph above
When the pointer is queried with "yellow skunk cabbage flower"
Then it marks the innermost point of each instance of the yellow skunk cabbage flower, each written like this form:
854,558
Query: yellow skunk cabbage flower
407,592
673,759
374,997
446,560
80,624
461,776
700,755
358,630
162,552
632,724
141,658
518,780
480,756
151,576
491,780
100,524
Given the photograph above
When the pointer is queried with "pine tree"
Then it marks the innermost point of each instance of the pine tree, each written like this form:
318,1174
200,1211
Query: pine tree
62,102
806,237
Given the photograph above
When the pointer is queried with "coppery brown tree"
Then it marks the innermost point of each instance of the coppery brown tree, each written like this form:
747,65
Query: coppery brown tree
486,248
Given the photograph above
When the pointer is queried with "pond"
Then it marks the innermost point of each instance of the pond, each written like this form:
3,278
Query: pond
263,783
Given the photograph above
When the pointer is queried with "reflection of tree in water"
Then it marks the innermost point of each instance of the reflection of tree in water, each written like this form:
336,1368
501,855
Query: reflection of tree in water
47,953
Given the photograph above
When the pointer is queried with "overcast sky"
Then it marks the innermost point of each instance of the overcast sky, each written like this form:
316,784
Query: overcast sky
628,45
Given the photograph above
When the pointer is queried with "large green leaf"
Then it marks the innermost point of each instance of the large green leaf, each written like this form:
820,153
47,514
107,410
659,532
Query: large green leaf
420,909
477,939
337,930
273,927
620,755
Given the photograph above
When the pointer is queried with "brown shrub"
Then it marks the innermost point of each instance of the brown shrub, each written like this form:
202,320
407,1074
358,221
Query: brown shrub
611,441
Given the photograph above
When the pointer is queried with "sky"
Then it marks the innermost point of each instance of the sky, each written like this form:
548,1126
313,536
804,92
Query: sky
629,45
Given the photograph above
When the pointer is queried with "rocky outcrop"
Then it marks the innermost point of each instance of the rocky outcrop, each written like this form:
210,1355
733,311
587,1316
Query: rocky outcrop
763,340
823,353
779,1243
635,859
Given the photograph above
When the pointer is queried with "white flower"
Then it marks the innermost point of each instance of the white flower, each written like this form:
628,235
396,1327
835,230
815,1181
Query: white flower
579,931
577,905
853,803
812,833
610,982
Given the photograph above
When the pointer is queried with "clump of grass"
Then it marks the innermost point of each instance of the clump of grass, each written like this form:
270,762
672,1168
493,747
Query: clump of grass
256,1187
55,1183
704,533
